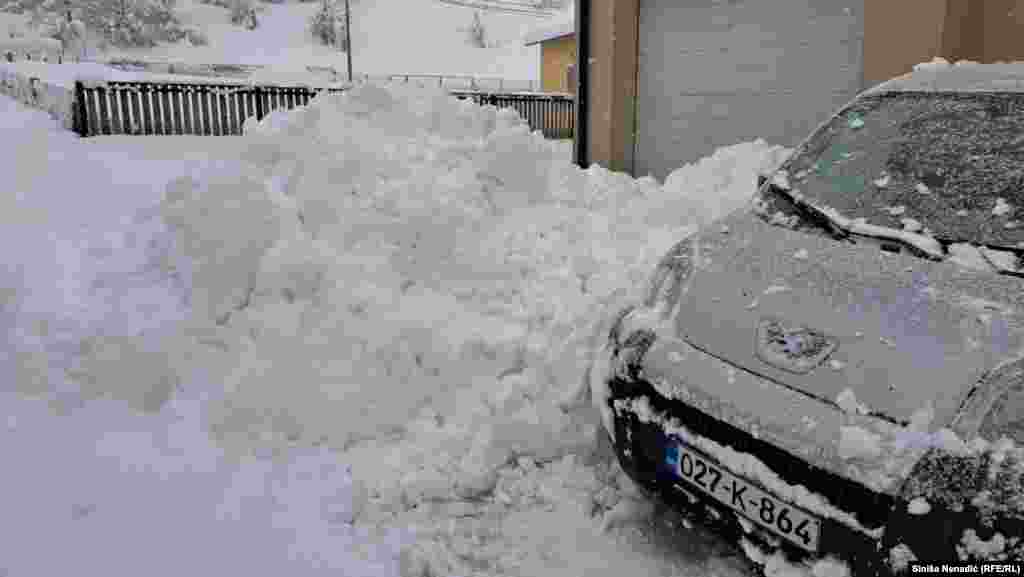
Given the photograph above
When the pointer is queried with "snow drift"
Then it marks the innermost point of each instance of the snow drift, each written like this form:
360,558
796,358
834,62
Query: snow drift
406,279
394,250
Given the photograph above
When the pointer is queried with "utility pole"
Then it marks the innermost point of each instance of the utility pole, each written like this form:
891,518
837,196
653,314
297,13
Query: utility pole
348,39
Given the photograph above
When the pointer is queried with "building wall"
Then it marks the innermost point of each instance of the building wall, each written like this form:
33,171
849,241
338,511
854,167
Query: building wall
668,85
556,56
611,70
716,73
891,44
901,34
1003,30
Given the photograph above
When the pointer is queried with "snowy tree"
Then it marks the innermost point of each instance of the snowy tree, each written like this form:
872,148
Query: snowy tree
325,23
243,13
71,33
328,24
132,22
117,22
476,32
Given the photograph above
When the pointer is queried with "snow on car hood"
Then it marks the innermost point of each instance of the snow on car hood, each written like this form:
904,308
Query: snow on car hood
902,342
907,332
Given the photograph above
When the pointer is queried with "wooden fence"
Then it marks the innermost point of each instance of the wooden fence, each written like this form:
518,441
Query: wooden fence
220,109
173,108
552,114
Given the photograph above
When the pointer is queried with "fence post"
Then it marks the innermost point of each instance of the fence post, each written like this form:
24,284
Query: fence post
259,102
79,121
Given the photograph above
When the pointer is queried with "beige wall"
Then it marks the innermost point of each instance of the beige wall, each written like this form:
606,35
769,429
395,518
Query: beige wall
556,56
899,34
891,45
612,69
1003,30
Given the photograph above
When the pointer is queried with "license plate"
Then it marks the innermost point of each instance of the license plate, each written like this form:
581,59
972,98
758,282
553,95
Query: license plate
779,517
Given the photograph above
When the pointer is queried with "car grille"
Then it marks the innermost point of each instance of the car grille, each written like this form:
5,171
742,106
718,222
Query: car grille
870,508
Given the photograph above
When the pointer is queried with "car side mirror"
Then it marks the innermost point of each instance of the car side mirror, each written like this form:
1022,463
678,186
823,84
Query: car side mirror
761,179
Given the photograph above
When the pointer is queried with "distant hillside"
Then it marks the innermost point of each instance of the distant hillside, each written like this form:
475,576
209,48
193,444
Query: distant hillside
389,37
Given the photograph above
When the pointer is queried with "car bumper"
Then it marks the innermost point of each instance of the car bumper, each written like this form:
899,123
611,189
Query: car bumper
641,447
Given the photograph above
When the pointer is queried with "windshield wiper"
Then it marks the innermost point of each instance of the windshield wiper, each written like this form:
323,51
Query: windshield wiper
918,244
929,247
841,228
809,212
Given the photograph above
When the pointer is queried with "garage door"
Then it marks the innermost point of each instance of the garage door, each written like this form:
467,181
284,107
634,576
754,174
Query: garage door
718,72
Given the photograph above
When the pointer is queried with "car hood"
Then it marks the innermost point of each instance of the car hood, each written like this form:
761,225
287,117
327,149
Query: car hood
907,332
893,338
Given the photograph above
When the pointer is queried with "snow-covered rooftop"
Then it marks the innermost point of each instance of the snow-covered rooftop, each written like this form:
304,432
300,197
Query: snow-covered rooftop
940,75
564,24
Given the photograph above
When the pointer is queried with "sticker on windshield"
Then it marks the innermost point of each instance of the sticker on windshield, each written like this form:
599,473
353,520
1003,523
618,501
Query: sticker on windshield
855,123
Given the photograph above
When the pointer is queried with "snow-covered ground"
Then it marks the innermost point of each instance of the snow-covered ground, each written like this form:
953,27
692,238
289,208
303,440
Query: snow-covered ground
339,342
389,37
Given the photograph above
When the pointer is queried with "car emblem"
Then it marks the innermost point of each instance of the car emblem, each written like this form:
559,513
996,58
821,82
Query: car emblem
793,348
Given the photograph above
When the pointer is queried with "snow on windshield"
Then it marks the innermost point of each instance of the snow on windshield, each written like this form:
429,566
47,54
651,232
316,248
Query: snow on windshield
950,164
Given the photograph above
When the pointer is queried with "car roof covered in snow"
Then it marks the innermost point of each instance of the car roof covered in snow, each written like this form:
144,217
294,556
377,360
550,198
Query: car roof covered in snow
964,76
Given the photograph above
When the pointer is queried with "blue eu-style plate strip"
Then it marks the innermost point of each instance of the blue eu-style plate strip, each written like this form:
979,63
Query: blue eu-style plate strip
672,456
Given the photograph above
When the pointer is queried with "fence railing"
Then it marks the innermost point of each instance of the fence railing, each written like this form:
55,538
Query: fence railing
552,114
461,82
161,108
173,108
243,71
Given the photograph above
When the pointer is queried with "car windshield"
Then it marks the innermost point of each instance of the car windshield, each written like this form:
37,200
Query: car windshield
947,166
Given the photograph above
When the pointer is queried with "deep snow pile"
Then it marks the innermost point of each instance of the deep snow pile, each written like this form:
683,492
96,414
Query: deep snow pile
394,248
392,288
418,271
83,314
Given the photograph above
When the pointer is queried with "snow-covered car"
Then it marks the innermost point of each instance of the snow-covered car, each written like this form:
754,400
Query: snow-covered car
837,369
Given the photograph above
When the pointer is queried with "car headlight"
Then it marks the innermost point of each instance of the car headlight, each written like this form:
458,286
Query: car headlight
635,328
672,273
